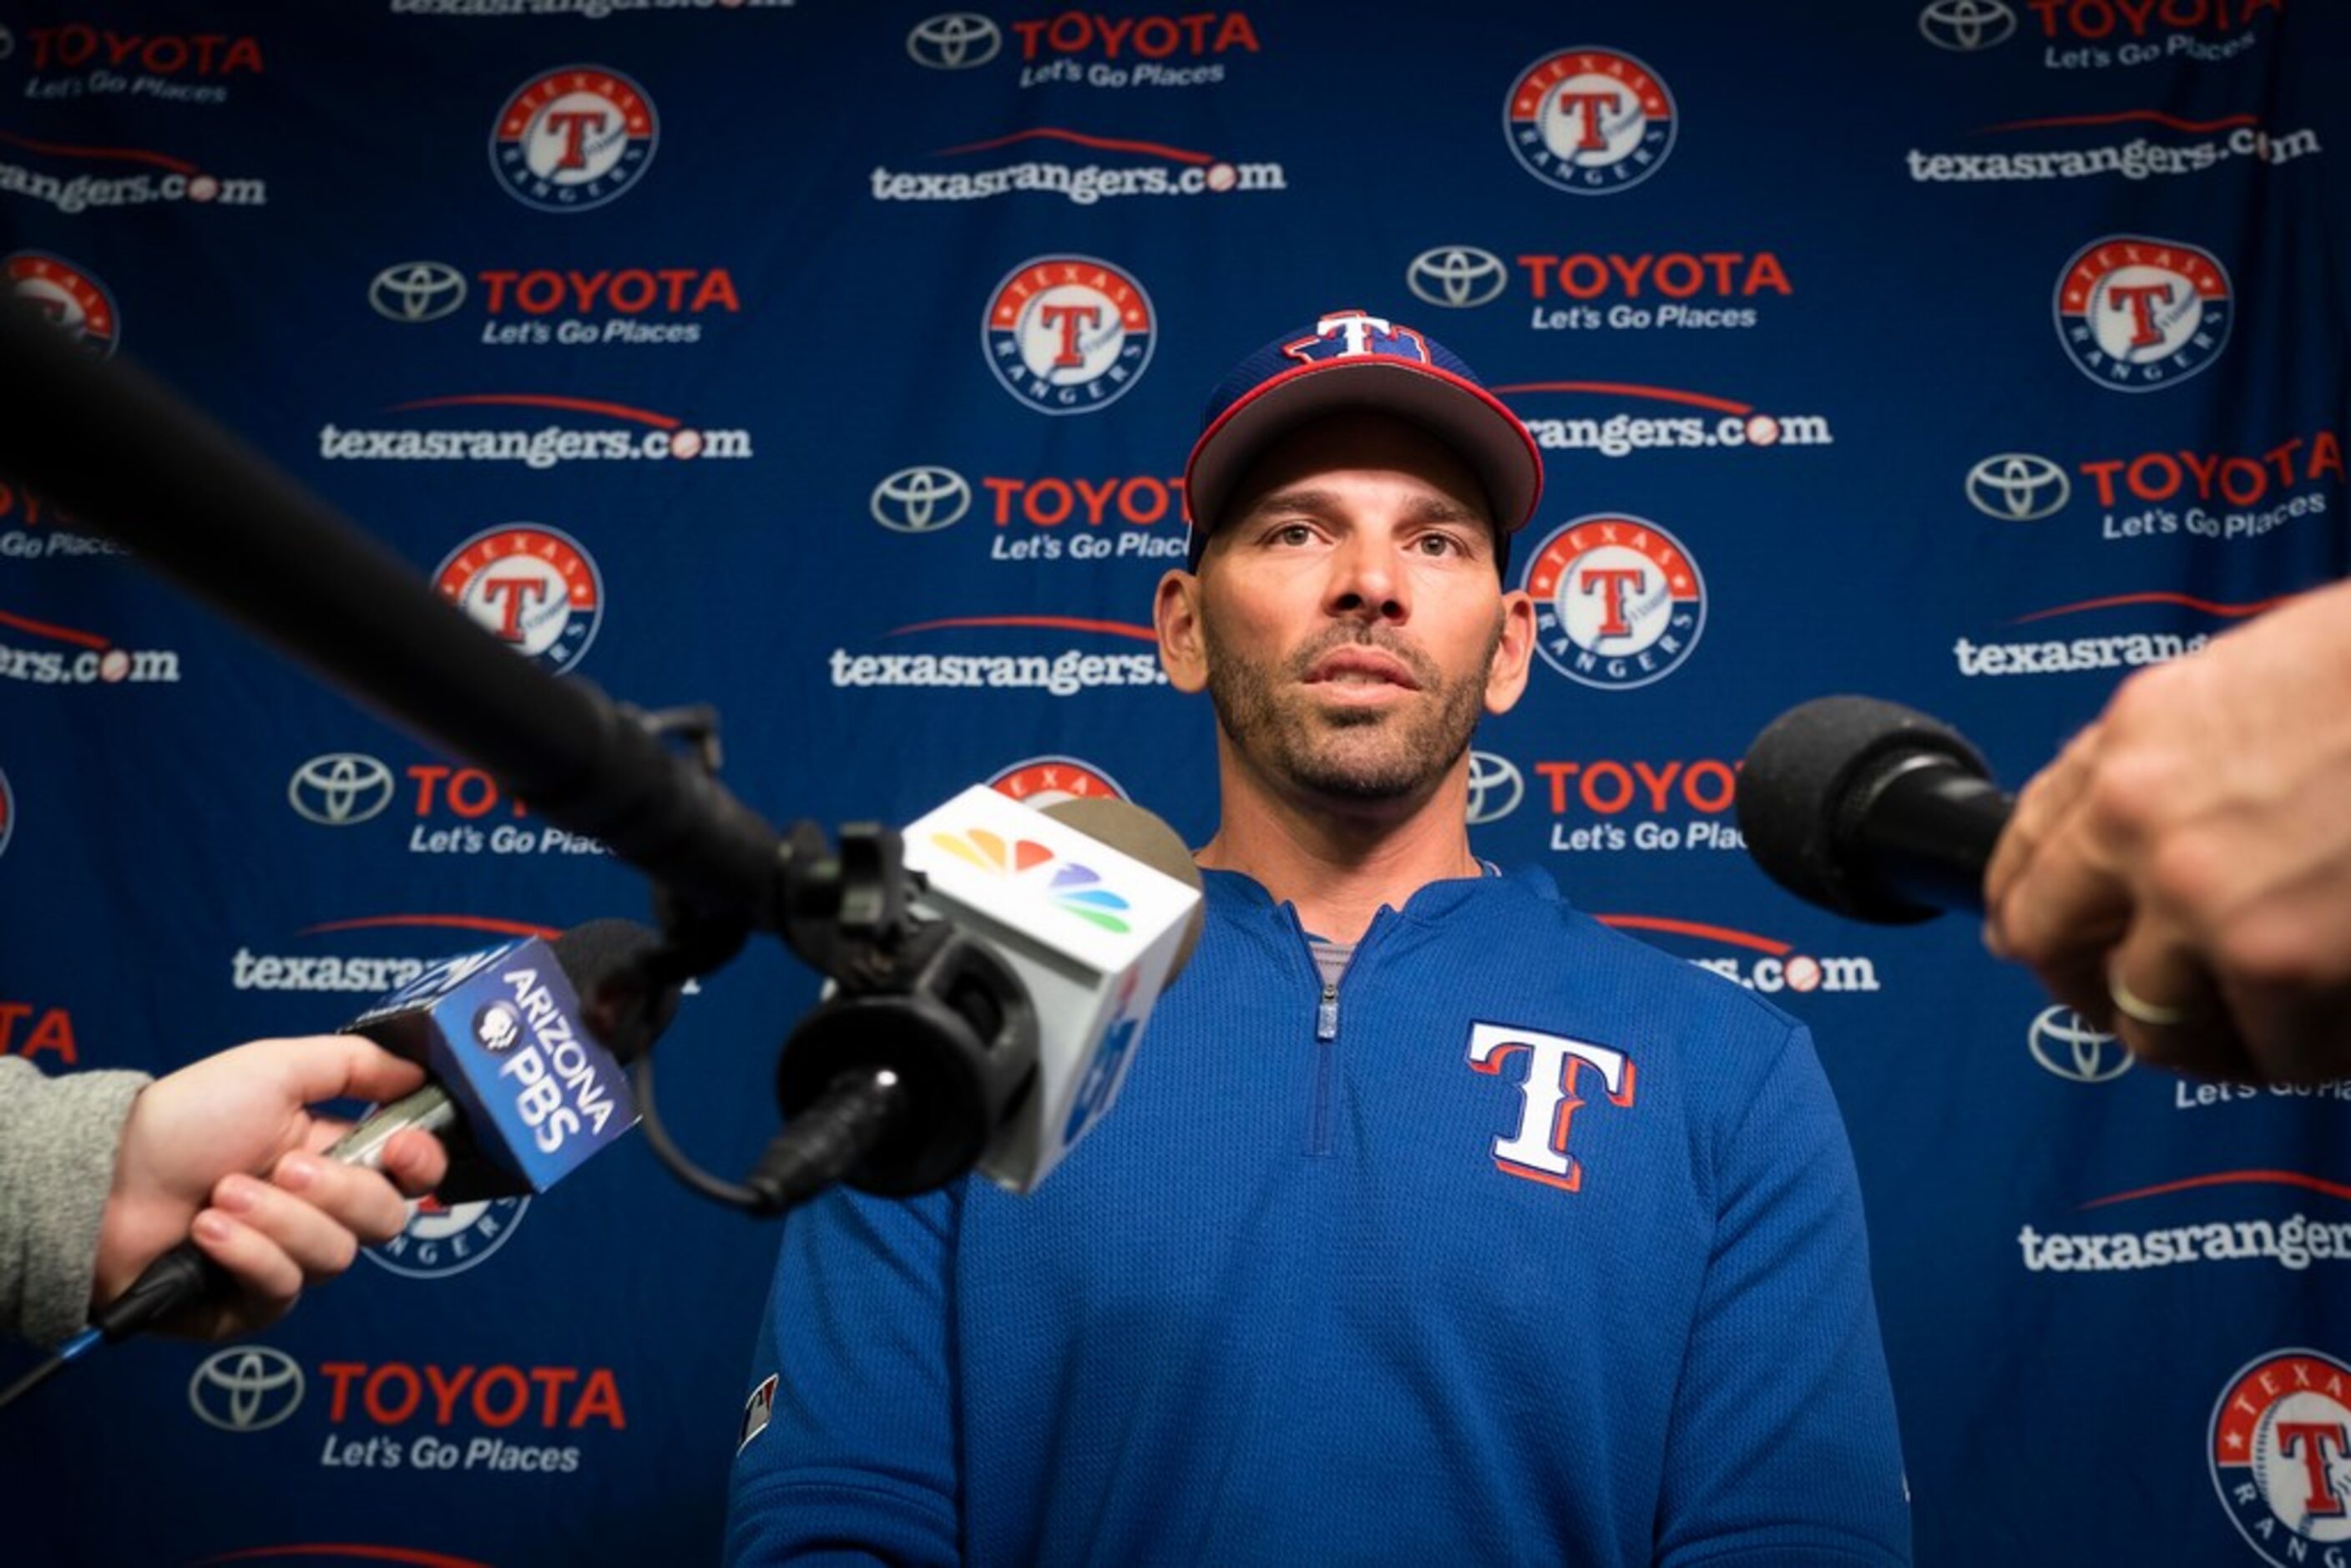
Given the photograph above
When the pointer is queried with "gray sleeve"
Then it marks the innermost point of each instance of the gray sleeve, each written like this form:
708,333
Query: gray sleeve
57,1139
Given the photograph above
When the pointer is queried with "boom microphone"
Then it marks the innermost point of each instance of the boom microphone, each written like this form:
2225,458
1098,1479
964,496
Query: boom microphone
1061,929
522,1090
202,508
1870,809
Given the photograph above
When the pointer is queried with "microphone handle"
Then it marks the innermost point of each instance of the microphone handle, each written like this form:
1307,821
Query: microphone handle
1929,827
185,1274
429,1109
179,1278
822,1145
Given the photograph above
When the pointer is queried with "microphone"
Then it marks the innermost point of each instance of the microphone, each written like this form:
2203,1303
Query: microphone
1057,931
525,1086
1870,809
522,1092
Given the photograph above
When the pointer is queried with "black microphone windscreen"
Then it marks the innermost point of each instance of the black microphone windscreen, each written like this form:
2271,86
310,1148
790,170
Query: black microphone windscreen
618,1001
1812,775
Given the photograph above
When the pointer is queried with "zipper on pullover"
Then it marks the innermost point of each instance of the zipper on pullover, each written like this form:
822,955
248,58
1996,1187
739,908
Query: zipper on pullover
1326,1035
1326,1050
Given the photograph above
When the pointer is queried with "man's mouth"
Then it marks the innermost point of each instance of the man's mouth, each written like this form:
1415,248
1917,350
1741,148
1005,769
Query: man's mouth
1361,667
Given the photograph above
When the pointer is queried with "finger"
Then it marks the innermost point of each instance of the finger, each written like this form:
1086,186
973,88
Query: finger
415,1162
267,1281
2292,1034
337,1066
2046,797
2079,981
2020,839
320,1246
2069,901
323,1133
413,1159
2168,1007
352,1197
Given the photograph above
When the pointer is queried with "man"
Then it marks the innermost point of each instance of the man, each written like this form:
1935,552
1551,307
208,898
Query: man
1435,1223
2182,873
101,1173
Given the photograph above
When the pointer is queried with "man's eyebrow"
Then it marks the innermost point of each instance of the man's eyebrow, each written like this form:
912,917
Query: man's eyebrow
1299,499
1444,509
1305,499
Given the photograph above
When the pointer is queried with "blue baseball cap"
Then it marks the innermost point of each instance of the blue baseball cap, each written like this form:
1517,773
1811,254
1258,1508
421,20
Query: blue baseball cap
1350,360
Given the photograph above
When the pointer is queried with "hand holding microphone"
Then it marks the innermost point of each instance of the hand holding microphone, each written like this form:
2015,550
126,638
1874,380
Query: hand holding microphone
2182,873
521,1085
226,1150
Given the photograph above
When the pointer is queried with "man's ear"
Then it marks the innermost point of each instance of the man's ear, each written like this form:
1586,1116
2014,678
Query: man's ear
1506,677
1176,612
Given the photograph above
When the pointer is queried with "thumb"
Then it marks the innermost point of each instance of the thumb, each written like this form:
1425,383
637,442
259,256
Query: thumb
334,1066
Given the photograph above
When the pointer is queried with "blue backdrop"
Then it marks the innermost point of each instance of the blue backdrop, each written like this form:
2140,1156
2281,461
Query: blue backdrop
837,362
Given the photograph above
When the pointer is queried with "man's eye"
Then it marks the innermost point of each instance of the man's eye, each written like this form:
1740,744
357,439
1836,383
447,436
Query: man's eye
1292,534
1437,545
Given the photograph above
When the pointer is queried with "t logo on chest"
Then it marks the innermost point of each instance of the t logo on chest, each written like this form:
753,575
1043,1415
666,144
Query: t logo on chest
1549,1096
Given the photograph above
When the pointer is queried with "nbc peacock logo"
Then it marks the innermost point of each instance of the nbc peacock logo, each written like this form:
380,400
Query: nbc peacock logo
1074,888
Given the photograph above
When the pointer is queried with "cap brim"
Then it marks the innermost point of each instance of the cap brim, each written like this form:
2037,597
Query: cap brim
1490,438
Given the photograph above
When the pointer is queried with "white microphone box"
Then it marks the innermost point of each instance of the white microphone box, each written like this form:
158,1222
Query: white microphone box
1089,931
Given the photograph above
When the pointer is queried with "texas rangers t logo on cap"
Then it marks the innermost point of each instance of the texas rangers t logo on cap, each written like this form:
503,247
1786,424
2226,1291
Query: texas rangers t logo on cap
1346,334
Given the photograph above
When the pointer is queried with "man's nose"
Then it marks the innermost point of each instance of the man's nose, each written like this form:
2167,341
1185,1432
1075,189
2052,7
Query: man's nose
1367,585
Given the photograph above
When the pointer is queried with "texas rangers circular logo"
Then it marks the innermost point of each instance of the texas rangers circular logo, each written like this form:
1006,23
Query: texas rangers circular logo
449,1239
1068,334
1590,121
2280,1455
533,587
68,293
7,813
1618,602
573,139
2137,314
1044,782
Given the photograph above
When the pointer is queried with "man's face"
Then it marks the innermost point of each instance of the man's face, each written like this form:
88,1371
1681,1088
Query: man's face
1348,621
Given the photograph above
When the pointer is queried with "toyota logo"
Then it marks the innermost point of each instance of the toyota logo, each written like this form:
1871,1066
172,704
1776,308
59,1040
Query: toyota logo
246,1389
2017,487
1496,787
955,41
2075,1051
417,291
340,789
1967,25
921,500
1456,275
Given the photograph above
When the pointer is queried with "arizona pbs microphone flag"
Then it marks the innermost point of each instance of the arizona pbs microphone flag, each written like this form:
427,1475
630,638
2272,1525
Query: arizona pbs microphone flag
500,1031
